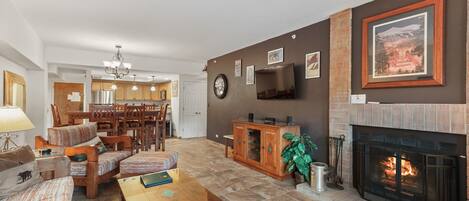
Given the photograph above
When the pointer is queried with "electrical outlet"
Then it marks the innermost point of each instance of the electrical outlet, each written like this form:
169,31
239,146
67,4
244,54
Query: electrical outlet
358,99
216,135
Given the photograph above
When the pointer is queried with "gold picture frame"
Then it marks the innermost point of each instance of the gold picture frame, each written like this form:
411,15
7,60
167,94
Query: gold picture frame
14,90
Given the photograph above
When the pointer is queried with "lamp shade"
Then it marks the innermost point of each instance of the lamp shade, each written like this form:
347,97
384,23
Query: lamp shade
13,119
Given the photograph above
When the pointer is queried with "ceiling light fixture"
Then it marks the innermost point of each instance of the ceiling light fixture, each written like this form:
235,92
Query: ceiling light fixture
114,86
117,66
134,88
153,88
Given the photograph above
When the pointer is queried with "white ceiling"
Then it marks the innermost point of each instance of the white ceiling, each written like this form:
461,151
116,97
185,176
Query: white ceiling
190,30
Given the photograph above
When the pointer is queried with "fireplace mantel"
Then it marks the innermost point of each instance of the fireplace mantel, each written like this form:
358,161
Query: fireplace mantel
445,118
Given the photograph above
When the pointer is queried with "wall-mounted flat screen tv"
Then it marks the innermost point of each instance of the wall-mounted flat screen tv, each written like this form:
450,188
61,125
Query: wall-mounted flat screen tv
276,82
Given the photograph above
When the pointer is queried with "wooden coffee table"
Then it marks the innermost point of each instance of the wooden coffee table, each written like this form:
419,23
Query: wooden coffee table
183,188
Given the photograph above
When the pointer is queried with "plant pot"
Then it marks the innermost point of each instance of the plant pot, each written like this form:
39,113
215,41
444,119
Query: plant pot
298,178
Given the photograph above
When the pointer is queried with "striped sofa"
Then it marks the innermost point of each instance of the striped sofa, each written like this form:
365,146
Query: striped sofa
81,139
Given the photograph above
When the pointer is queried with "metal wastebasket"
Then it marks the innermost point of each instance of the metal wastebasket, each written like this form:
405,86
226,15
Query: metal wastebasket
318,176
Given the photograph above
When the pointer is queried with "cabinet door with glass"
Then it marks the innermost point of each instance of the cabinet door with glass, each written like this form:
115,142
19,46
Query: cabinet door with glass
270,150
253,143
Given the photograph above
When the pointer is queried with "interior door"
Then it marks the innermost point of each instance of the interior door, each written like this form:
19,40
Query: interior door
68,97
269,150
194,107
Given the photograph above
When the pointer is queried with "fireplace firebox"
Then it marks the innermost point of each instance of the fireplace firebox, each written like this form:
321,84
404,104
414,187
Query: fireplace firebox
394,164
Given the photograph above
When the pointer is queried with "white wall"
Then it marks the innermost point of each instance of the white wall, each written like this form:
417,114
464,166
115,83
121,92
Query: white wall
18,39
175,108
22,52
36,103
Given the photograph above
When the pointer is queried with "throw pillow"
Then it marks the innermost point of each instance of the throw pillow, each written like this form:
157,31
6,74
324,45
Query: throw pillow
78,158
93,142
101,147
19,171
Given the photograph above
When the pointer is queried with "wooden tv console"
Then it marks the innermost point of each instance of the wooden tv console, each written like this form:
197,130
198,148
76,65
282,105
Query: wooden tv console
260,145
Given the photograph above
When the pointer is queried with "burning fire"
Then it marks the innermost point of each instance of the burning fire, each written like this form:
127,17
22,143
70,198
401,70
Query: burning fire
406,167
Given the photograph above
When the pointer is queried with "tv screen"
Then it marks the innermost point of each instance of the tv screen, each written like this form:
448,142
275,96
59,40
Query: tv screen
276,82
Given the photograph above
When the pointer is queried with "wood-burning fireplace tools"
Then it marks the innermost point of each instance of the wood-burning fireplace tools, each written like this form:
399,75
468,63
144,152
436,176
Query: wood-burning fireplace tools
335,149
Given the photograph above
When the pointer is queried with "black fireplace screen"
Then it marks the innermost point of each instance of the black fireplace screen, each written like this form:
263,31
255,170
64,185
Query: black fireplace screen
393,169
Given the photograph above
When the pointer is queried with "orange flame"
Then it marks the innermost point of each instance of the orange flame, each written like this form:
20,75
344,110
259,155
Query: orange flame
406,167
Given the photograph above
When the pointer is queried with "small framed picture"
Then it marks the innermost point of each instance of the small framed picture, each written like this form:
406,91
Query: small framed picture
313,65
250,78
275,56
238,71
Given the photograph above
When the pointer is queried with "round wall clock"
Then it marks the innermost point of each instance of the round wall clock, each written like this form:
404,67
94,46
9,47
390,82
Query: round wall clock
220,86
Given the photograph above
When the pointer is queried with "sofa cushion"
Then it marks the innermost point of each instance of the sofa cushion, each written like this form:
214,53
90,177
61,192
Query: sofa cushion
107,162
19,171
148,162
72,135
60,189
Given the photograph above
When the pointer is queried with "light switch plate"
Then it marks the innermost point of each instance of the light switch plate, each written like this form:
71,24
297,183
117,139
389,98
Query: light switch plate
358,99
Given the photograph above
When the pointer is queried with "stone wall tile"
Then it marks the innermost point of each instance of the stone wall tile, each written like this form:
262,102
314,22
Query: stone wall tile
430,117
458,115
442,118
397,116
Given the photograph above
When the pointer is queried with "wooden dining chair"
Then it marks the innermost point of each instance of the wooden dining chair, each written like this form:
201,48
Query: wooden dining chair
106,120
56,117
134,120
152,107
150,126
93,107
118,107
161,127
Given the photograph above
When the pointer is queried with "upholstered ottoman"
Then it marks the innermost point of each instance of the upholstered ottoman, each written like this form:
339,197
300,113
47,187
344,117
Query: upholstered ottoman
148,162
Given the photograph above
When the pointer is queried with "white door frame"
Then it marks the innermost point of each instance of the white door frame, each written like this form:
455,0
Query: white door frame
204,107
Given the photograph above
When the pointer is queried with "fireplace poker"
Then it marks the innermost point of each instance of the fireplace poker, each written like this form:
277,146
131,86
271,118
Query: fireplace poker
336,144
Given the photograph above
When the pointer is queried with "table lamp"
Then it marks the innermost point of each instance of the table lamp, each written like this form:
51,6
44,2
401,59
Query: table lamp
12,119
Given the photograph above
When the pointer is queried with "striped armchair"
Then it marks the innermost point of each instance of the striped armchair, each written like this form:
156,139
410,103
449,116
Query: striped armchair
81,139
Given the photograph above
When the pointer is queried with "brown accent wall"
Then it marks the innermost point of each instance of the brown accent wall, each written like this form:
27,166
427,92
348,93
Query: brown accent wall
454,90
309,110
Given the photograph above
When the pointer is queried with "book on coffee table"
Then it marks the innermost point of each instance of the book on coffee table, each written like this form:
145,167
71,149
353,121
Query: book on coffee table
155,179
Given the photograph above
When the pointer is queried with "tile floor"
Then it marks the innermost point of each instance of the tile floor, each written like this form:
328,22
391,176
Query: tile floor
205,160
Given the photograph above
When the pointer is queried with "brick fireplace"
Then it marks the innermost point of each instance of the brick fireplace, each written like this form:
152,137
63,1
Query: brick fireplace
443,118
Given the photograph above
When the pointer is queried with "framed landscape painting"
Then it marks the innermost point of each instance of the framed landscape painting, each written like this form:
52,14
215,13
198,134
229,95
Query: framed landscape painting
313,65
275,56
404,47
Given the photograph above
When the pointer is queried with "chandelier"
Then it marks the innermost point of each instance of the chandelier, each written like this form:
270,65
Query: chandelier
117,66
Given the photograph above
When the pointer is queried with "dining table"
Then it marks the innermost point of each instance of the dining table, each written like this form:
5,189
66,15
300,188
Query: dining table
73,116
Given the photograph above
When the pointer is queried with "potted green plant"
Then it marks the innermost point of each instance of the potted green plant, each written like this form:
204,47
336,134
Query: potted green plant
297,156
